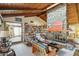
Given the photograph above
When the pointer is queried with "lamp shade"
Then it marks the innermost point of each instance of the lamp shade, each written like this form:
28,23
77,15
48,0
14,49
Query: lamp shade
3,34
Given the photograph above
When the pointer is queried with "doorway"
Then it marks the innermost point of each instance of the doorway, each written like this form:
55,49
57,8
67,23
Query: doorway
15,31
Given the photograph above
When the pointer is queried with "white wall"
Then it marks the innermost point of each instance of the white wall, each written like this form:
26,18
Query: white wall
37,21
9,19
12,19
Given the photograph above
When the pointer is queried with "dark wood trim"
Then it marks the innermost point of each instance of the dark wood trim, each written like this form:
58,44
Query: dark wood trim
41,13
77,11
20,14
67,15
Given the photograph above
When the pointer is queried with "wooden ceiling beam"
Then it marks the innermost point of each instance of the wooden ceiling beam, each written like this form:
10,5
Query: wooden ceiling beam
19,11
43,14
44,17
23,6
48,8
52,6
20,14
15,7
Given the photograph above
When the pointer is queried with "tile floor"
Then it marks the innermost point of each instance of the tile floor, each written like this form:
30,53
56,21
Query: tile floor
15,39
22,50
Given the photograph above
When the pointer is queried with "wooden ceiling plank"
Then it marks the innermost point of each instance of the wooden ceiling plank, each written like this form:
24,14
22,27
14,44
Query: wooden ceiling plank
38,9
72,16
22,6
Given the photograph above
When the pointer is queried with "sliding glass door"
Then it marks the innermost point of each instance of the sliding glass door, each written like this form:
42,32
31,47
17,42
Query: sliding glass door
15,31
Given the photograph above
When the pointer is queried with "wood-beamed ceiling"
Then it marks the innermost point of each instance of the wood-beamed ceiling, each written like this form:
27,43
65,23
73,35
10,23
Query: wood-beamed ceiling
73,13
20,14
25,9
37,9
24,6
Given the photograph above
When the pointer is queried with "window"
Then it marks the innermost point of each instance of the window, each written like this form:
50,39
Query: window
18,19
